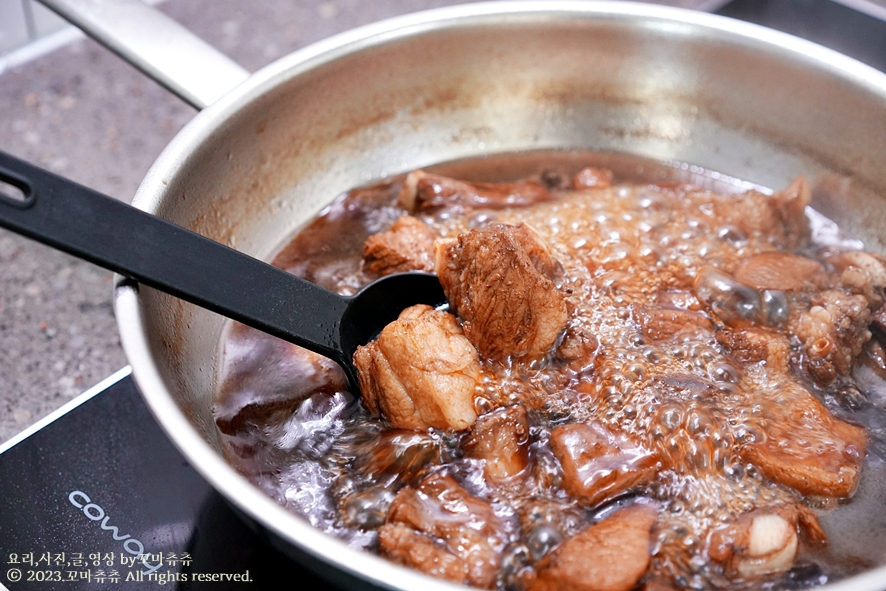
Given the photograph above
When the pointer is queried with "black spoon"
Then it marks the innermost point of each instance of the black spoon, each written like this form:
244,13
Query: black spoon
157,253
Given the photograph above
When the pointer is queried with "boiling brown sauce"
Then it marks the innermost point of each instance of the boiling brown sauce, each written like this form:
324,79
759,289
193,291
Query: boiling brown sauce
288,424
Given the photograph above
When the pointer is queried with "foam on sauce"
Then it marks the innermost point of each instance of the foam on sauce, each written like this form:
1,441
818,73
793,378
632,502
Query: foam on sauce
629,248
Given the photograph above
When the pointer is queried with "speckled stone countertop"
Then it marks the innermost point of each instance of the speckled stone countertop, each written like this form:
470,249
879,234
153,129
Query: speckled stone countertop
83,113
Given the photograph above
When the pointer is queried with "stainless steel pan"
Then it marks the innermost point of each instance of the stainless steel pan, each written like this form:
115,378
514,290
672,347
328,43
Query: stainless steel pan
269,150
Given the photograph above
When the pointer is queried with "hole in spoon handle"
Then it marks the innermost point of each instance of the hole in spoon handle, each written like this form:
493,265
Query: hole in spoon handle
15,191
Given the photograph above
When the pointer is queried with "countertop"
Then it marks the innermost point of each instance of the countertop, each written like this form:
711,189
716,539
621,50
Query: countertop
82,112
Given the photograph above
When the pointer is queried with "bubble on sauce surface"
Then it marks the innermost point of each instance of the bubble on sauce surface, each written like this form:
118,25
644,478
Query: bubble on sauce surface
316,422
542,539
305,488
367,509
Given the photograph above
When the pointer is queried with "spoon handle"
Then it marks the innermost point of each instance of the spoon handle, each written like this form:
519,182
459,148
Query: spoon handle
159,254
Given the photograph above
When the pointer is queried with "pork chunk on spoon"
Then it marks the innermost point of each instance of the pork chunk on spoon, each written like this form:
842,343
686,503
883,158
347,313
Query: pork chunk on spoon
421,372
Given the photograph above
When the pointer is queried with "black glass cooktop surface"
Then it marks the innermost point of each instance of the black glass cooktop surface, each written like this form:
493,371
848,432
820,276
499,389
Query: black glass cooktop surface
99,498
858,32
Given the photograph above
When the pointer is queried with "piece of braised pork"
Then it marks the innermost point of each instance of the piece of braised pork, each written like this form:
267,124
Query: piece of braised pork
500,281
611,555
421,372
424,191
439,528
407,246
501,439
598,465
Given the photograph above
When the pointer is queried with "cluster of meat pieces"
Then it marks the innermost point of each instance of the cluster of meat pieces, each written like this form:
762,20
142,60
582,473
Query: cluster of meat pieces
754,300
611,354
499,281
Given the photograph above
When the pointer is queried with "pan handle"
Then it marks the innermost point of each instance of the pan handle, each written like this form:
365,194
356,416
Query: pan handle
164,50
